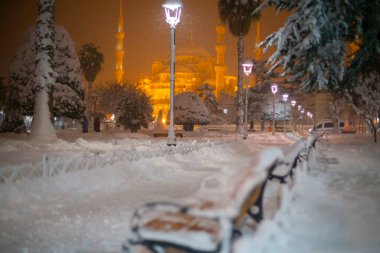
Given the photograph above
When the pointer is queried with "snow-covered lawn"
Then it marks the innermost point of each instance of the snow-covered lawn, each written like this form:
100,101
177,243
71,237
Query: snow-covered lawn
84,204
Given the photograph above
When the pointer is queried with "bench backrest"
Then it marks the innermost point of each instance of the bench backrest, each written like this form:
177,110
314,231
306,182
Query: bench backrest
236,190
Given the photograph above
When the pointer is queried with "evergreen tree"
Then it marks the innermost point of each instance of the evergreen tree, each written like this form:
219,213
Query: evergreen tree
189,110
237,14
135,109
42,128
12,120
311,46
67,91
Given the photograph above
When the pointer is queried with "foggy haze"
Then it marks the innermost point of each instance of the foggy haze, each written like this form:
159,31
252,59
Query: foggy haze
146,33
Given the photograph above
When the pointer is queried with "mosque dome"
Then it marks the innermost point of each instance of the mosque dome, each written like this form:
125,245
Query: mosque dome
192,50
184,68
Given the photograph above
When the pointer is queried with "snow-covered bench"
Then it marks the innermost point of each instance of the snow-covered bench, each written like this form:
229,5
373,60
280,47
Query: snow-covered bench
208,221
302,150
165,134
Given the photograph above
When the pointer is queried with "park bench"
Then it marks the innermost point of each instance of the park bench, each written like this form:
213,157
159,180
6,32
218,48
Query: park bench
214,129
165,134
210,220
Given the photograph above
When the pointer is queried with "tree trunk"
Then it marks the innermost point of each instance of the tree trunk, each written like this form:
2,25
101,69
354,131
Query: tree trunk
42,129
89,110
239,95
372,127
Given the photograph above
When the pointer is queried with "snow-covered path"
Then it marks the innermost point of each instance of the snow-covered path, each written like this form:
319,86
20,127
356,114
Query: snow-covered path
333,208
89,210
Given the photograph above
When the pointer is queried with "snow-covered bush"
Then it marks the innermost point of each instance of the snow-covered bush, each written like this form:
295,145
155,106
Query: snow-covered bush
189,110
206,93
365,99
67,91
135,108
110,96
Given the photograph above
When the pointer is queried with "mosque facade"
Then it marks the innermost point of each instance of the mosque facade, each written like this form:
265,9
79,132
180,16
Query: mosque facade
194,66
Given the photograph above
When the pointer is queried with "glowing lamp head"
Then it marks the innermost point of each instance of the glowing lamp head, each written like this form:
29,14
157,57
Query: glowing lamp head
285,97
308,114
173,10
293,102
247,67
299,108
274,88
311,115
302,111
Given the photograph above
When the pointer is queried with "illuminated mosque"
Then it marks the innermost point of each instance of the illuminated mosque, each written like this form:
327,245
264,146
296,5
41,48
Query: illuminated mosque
194,66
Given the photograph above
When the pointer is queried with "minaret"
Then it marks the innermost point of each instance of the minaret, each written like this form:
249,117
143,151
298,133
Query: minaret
119,71
220,67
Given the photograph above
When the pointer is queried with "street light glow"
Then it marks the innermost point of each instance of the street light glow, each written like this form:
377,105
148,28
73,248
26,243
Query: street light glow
247,67
274,88
173,10
293,102
285,97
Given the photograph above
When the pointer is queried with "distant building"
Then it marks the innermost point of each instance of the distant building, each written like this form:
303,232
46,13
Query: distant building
194,66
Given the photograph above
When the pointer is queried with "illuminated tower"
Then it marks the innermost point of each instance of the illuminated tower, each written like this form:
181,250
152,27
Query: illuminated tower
220,66
119,71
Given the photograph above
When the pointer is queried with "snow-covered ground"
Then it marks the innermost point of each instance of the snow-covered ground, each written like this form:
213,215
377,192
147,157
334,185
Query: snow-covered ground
78,194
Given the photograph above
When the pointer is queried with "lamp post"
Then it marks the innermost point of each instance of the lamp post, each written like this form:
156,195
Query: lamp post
173,14
247,69
293,103
299,115
285,98
308,117
274,89
302,112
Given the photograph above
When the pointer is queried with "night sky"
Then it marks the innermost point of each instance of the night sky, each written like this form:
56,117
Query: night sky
147,36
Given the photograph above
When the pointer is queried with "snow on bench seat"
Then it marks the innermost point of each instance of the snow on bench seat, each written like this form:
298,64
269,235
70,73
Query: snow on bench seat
207,221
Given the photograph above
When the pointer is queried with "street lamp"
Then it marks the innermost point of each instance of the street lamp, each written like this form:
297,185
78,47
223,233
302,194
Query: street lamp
308,117
274,89
302,112
293,103
285,98
247,69
173,14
